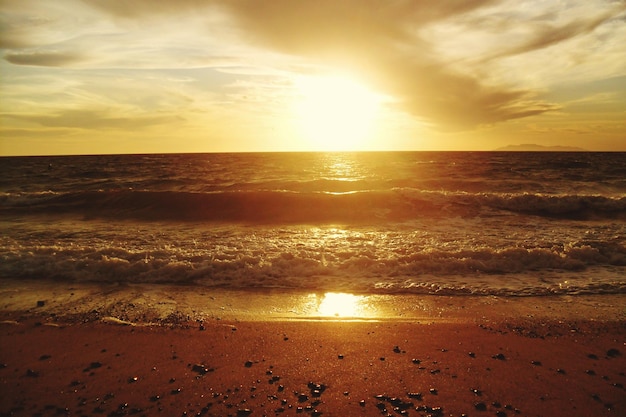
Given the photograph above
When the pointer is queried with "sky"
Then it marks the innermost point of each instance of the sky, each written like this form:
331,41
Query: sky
151,76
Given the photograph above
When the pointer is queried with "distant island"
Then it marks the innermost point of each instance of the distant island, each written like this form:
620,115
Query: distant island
531,147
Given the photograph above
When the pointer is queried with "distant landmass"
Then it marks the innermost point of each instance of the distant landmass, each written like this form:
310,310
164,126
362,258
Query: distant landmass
531,147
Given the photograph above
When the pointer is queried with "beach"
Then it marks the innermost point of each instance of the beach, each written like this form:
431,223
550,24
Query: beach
221,353
313,284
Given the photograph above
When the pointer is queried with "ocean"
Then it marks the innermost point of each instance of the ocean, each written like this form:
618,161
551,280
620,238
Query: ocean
450,223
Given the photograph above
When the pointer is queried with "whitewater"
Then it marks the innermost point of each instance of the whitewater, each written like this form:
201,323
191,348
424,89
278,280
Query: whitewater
453,223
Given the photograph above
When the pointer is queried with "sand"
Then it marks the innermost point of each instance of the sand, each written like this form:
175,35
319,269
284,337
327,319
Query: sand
220,353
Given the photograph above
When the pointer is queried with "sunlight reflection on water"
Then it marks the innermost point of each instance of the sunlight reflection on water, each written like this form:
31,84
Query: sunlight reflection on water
341,305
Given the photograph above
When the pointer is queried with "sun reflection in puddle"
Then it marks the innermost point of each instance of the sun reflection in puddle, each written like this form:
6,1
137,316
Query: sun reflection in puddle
343,305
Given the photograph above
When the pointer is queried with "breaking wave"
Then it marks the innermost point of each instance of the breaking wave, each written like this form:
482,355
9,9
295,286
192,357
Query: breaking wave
307,207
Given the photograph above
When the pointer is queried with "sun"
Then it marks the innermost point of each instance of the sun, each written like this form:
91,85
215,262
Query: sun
335,113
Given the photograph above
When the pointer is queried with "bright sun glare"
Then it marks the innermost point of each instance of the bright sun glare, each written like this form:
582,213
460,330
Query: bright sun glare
341,305
335,113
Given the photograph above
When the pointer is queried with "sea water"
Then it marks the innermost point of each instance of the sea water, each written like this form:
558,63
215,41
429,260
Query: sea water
454,223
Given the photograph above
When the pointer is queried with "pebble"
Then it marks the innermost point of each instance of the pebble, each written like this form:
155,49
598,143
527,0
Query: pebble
613,353
416,361
499,357
536,363
248,364
201,369
476,392
92,365
480,406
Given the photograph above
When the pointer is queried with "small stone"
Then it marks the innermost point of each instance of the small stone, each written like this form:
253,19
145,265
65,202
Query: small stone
592,356
44,357
436,411
433,391
536,363
32,373
590,372
416,361
201,369
248,364
339,356
476,392
472,354
242,412
41,303
396,349
561,371
133,379
499,357
500,413
613,353
480,406
362,403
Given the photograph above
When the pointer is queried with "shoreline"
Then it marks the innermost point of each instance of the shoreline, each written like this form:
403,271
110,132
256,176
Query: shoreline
89,349
171,304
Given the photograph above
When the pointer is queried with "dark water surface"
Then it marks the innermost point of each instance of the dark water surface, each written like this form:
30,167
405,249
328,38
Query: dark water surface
499,223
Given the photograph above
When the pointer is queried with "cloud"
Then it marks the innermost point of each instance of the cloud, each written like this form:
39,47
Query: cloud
545,34
93,119
452,80
387,44
44,59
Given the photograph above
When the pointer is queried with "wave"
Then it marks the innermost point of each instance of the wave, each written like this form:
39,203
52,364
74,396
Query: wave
578,267
307,207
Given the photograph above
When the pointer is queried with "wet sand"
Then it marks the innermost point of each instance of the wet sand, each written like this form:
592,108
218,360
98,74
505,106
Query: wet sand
235,354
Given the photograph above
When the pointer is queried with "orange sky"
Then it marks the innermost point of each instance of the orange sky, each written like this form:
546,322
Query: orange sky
142,76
